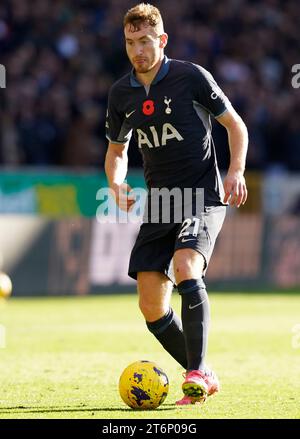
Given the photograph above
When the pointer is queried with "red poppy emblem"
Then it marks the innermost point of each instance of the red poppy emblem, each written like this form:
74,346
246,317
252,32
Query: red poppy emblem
148,107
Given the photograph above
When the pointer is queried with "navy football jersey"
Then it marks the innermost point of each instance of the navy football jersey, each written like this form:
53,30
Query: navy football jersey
171,121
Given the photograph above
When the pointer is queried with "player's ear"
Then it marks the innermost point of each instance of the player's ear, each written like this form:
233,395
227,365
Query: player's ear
163,40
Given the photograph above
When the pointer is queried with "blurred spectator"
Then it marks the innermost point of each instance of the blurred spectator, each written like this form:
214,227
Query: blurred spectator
62,56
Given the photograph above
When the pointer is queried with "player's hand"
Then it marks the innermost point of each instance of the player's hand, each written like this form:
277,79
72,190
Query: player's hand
123,198
235,189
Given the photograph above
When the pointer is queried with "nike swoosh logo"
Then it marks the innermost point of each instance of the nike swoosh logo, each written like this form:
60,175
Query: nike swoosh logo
129,114
186,240
195,306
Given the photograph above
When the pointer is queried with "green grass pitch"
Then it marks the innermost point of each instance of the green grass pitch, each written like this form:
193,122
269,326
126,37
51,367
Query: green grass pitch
63,357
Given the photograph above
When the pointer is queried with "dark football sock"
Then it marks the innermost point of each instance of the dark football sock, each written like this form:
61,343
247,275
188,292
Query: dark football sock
168,331
195,321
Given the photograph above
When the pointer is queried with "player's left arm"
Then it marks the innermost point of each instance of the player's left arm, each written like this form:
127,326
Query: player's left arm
234,184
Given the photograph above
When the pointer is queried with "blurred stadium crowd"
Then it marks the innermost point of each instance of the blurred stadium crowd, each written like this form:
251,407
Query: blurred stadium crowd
61,56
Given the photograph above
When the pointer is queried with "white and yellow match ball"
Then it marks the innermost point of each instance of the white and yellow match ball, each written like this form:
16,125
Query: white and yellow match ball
5,285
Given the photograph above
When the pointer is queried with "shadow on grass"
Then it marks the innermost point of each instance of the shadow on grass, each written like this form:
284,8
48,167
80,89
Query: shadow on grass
10,410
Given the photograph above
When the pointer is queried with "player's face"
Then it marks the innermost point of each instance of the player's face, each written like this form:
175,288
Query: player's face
144,47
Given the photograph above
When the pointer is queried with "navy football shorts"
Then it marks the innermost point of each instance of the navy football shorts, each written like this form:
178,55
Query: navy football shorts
156,243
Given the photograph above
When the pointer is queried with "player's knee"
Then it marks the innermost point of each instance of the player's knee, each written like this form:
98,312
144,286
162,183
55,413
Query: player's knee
152,310
154,295
183,268
188,264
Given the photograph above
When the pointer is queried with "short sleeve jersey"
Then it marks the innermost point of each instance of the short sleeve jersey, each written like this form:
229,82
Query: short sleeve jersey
171,121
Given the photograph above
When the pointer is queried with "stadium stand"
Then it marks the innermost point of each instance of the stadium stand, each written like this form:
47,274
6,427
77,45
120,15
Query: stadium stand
62,56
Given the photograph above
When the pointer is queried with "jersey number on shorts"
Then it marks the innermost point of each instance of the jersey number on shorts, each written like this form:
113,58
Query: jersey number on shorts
186,224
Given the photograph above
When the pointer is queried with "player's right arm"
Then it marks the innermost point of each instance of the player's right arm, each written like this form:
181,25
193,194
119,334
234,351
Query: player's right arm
118,133
116,166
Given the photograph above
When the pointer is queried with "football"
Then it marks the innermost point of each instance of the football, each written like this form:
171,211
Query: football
143,385
5,285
